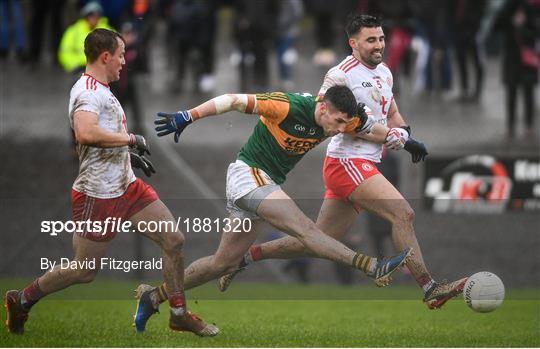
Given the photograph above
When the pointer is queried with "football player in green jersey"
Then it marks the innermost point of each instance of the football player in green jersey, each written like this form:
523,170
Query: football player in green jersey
289,126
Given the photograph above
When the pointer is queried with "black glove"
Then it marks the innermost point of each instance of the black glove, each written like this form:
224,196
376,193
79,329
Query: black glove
417,149
362,115
139,161
138,143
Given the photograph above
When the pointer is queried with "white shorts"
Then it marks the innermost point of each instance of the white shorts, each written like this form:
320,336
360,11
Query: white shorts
241,181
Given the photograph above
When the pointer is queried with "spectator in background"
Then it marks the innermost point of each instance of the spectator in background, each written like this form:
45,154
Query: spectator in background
125,89
399,25
254,27
325,33
439,67
71,52
519,20
467,15
12,23
114,10
422,10
207,82
143,22
41,9
290,13
192,26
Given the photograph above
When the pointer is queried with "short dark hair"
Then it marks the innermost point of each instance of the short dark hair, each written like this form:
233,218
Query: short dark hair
99,41
341,98
356,22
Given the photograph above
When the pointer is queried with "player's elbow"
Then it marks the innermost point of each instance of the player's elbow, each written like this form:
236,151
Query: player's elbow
84,137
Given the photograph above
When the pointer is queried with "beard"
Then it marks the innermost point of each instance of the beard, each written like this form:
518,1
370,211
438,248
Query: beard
373,59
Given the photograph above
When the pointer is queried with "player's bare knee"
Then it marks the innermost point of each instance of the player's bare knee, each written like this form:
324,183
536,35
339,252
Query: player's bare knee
402,214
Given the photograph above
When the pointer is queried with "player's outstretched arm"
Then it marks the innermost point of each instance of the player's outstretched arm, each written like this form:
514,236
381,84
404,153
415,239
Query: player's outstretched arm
167,123
88,132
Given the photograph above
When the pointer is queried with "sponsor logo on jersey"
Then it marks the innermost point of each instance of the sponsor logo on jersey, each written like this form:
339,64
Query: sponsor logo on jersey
366,84
299,146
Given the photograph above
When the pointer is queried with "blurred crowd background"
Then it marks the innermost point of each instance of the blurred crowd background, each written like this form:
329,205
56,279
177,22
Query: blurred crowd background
442,45
465,72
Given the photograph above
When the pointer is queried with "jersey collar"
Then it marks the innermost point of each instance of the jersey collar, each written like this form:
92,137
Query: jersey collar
104,84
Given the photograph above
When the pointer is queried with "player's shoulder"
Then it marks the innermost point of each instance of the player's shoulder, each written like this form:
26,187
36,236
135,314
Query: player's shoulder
300,98
84,85
383,69
273,96
347,65
301,104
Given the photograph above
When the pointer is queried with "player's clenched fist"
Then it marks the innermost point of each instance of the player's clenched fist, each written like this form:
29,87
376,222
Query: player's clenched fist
173,122
396,138
138,143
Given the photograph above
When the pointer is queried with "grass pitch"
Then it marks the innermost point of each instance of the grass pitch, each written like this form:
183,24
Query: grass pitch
255,315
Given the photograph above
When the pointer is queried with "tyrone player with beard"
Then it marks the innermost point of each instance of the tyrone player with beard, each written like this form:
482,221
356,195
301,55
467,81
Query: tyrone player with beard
350,172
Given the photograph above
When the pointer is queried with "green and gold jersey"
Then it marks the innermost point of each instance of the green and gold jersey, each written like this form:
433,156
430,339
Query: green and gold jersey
286,131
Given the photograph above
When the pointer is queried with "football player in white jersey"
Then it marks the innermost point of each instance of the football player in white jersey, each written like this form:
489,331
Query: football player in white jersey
107,190
350,172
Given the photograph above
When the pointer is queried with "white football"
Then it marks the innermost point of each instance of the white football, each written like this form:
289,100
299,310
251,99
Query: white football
483,292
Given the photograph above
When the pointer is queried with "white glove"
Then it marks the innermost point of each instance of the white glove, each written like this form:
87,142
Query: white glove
396,138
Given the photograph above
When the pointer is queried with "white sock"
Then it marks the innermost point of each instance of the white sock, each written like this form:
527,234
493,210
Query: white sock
247,259
178,311
373,265
154,297
427,286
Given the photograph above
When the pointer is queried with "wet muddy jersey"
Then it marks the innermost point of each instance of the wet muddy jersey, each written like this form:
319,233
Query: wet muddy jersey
371,86
103,172
286,131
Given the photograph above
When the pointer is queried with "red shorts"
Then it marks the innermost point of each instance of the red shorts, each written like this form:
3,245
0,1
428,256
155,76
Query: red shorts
137,196
342,176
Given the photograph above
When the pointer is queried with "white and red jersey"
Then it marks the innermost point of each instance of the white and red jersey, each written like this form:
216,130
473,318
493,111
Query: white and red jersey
103,172
371,86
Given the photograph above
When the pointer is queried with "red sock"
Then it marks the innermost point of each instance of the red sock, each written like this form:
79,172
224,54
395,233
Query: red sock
31,294
177,299
256,253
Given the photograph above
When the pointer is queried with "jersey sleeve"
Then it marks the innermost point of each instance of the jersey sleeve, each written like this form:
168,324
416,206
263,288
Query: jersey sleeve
273,106
360,125
88,101
333,77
